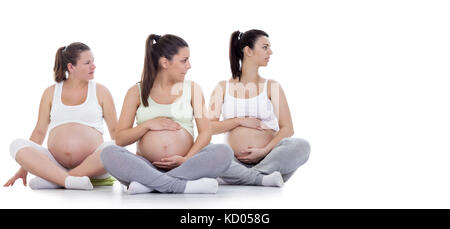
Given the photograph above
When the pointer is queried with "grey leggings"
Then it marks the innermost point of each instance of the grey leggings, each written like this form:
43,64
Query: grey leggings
211,161
285,157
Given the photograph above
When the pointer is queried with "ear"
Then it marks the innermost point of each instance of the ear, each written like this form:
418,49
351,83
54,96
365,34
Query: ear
70,67
164,62
248,51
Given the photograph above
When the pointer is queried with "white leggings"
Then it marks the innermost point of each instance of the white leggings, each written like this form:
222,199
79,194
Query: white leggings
19,144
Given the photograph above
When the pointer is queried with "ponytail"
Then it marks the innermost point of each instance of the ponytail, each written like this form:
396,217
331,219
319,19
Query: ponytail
235,55
150,66
60,67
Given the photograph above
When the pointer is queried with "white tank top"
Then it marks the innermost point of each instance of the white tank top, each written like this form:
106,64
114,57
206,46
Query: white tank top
259,107
89,113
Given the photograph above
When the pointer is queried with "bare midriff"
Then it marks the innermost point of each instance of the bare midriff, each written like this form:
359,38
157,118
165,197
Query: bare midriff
71,143
240,138
158,144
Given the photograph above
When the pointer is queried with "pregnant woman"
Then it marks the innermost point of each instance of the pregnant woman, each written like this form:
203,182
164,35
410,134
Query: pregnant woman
73,110
256,117
164,105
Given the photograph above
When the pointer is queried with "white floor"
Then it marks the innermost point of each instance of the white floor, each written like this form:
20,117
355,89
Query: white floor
308,188
114,197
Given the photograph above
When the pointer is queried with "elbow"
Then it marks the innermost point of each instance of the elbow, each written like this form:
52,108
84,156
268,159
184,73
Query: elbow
289,132
113,133
39,133
119,140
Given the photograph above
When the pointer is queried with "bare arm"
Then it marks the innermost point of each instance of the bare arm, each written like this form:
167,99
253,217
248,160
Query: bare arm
282,112
215,109
39,132
201,119
109,109
126,134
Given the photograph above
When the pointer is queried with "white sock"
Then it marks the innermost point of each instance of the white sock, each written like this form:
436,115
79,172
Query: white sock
202,185
83,183
137,188
274,179
221,181
41,183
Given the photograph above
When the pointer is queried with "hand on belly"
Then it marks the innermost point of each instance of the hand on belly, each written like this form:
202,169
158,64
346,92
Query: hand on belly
242,138
158,144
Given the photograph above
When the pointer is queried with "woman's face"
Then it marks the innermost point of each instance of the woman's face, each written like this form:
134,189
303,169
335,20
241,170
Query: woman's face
85,67
260,54
179,65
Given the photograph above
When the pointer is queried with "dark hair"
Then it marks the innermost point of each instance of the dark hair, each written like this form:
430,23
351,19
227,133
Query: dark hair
166,46
66,55
238,42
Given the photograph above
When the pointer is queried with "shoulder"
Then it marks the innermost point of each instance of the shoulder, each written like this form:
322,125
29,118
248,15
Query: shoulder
101,89
47,96
195,89
272,85
222,84
50,89
133,90
48,92
194,85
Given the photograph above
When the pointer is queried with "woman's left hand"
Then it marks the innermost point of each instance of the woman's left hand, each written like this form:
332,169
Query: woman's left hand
252,155
170,162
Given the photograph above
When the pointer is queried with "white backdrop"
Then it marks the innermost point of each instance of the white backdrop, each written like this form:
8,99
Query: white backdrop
367,81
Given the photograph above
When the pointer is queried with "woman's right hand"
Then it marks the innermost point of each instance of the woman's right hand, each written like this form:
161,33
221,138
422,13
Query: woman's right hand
250,123
22,174
162,123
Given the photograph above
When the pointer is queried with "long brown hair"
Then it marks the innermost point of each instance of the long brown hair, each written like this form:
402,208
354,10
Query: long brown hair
156,47
66,55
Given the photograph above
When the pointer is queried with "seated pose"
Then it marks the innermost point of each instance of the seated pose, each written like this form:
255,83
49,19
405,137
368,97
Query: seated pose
73,109
164,104
256,117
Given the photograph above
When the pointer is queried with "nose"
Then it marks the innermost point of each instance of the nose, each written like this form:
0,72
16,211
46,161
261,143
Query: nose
270,51
188,65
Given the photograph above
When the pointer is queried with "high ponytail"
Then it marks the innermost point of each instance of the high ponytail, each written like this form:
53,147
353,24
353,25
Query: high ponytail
156,47
238,42
66,55
235,55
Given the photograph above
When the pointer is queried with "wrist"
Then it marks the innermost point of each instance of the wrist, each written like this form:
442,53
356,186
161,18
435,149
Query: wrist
149,124
266,150
185,158
237,121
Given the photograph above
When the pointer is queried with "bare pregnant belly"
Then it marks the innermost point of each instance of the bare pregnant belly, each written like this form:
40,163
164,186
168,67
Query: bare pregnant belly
158,144
71,143
240,138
